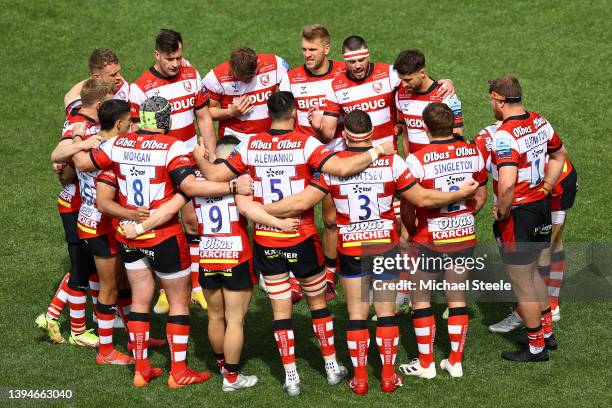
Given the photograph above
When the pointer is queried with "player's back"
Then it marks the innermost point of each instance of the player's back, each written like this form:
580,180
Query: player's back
224,239
281,163
144,163
364,203
484,143
445,165
524,141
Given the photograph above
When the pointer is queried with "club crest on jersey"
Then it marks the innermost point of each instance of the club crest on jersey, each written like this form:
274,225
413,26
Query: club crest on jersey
265,79
187,86
122,95
377,86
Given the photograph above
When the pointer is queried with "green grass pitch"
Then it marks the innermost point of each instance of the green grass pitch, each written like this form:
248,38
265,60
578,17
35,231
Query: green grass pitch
561,52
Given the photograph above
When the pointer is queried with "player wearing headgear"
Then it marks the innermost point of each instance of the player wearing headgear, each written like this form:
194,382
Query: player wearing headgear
308,83
281,162
103,64
98,233
239,89
181,85
521,183
366,86
151,167
73,288
225,266
442,236
367,228
417,91
551,263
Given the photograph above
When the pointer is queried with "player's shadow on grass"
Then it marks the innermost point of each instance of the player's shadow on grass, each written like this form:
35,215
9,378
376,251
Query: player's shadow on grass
493,312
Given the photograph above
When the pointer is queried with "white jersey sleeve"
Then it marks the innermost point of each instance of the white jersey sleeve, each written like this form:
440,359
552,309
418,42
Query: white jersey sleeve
213,86
416,168
282,67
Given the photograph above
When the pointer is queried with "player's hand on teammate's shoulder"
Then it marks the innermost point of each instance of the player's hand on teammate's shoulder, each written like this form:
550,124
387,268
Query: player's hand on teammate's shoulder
387,148
447,88
288,224
92,143
244,185
200,152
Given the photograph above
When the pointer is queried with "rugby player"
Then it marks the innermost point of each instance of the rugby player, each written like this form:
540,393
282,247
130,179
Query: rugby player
103,64
366,86
83,119
151,167
364,203
417,91
308,84
281,162
239,89
522,181
441,236
551,263
225,274
181,84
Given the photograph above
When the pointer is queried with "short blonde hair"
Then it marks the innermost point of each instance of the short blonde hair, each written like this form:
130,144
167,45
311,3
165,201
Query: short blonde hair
315,31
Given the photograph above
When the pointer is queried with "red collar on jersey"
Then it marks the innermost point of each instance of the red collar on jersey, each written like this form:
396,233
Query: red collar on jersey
329,69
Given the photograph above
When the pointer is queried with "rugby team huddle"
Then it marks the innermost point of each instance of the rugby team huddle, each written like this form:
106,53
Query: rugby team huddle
144,196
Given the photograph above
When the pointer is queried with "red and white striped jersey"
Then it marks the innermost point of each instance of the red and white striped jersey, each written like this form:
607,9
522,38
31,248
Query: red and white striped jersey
121,94
364,203
310,90
444,165
221,86
281,163
484,143
224,238
410,106
374,94
149,167
69,199
524,141
183,91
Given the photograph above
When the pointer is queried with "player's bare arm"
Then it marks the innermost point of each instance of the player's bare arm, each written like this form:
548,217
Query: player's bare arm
426,198
105,200
408,214
67,175
207,128
347,166
66,148
323,125
554,168
480,198
205,188
255,212
296,204
505,191
160,216
211,171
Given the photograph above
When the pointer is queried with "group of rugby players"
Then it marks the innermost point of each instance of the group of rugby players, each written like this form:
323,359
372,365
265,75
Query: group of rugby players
130,161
